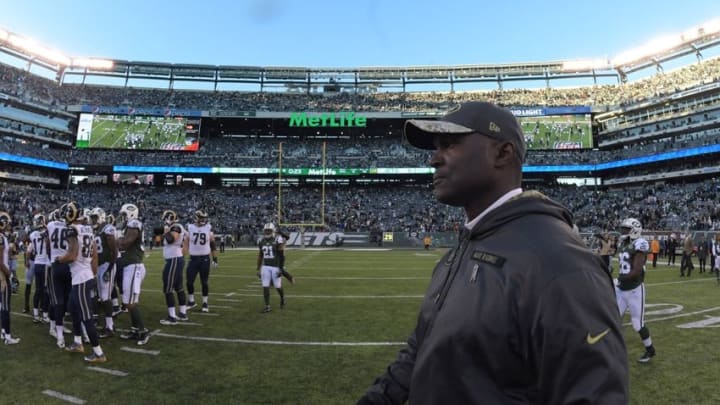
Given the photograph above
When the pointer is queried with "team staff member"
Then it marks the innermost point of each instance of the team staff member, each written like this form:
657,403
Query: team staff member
655,248
508,317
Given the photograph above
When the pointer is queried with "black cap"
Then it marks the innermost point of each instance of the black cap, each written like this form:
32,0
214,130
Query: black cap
468,118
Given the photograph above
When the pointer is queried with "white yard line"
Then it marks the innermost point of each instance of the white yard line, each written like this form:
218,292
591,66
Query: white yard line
116,373
141,351
64,397
279,342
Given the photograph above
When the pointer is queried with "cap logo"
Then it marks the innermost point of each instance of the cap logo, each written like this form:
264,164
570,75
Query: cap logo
494,127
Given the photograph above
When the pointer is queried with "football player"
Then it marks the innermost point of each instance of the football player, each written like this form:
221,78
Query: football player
174,250
630,287
283,237
716,255
12,260
82,257
60,281
202,247
29,273
38,248
5,288
131,245
269,260
110,219
107,255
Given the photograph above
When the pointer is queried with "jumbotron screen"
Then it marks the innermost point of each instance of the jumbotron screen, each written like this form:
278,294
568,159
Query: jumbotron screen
138,132
557,131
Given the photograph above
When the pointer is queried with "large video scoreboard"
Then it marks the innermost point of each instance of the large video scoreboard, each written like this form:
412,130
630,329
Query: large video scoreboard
109,131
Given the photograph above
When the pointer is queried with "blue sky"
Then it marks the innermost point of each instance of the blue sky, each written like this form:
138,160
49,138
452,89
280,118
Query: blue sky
348,33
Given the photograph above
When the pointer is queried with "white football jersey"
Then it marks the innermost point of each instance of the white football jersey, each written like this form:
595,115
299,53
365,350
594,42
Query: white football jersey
199,239
38,245
174,249
81,267
57,234
5,249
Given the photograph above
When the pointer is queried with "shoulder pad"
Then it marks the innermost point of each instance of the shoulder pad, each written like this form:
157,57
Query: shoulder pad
134,223
641,245
176,228
109,229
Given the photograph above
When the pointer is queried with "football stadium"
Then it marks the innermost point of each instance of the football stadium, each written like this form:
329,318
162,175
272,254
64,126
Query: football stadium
318,158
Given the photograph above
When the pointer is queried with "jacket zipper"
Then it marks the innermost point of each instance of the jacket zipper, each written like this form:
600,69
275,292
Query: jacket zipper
473,277
451,274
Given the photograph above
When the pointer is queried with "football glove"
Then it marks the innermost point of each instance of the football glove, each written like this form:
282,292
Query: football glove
106,276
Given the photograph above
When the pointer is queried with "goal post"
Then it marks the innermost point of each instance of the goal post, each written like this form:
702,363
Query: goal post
301,225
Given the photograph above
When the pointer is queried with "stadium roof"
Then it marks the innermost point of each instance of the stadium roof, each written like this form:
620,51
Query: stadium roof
691,41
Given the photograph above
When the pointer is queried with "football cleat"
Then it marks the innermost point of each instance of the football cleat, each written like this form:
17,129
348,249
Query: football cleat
282,303
9,340
131,334
649,353
205,307
266,310
75,348
191,305
60,343
106,333
94,358
143,337
182,317
169,321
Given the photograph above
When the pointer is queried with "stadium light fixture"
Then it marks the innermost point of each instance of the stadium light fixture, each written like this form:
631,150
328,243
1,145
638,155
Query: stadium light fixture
92,63
583,65
654,47
711,27
38,50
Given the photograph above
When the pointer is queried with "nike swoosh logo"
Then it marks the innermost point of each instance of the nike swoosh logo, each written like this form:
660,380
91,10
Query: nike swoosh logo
594,339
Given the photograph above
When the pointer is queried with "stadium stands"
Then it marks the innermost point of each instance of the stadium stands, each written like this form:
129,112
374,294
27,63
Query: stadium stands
648,120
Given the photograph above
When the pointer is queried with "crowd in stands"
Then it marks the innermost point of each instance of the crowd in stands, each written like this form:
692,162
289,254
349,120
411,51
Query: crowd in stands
242,211
339,153
34,88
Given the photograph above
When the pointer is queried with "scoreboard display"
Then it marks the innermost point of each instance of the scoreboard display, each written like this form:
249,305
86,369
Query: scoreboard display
107,131
557,131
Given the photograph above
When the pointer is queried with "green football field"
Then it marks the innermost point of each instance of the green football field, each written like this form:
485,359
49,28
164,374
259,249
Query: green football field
123,132
347,316
557,132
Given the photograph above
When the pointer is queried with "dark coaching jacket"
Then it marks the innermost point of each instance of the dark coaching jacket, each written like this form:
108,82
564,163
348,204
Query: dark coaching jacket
520,312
